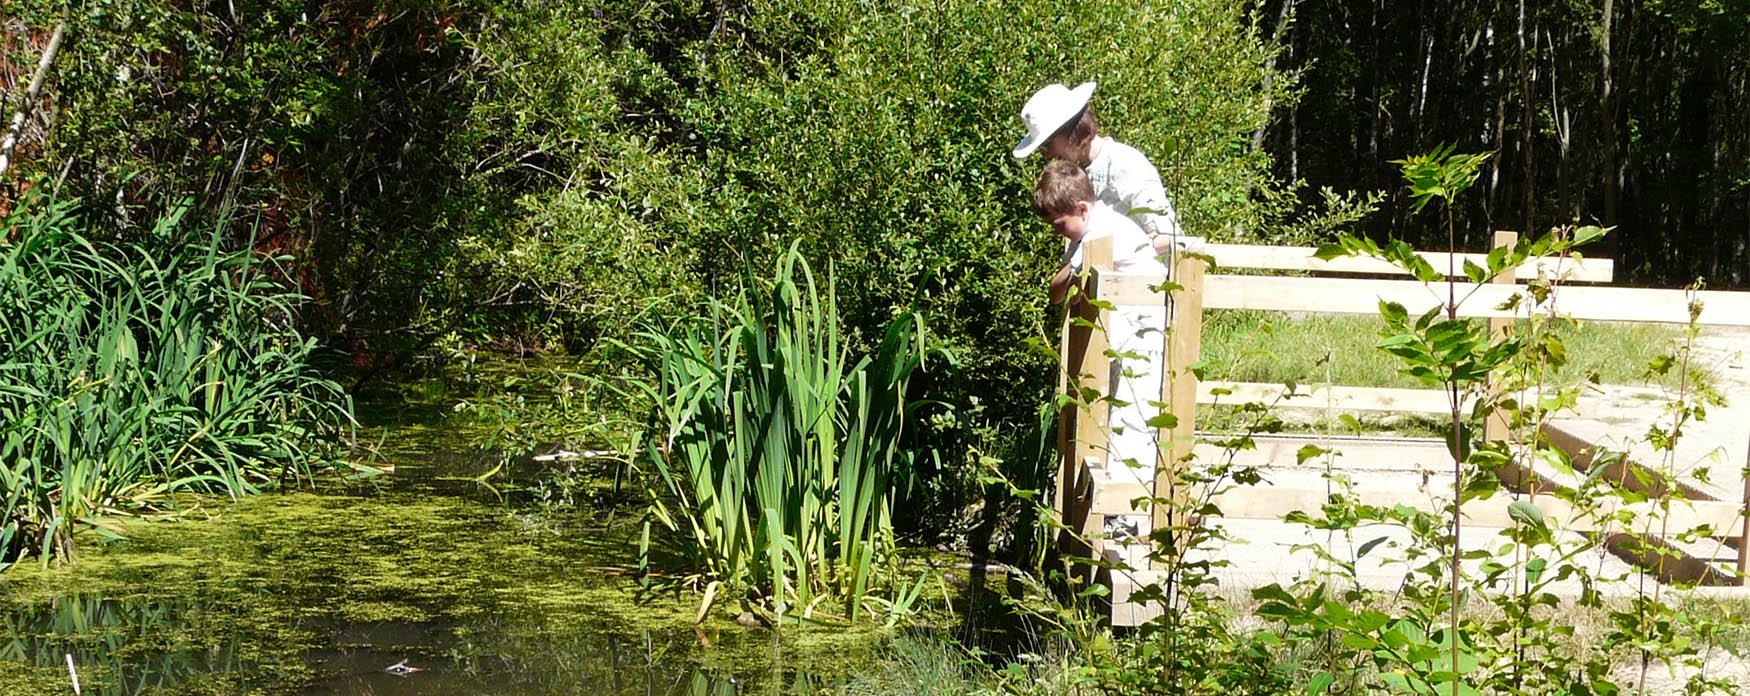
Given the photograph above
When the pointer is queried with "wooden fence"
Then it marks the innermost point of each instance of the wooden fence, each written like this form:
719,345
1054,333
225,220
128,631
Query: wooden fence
1092,490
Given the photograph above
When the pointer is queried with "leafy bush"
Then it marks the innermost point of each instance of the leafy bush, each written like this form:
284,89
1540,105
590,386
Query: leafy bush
549,172
776,457
130,374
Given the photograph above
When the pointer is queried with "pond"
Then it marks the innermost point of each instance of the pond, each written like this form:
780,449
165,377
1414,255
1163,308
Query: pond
480,590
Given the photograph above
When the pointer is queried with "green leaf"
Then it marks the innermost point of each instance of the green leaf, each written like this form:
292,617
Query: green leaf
1523,512
1589,233
1534,570
1326,252
1274,592
1395,315
1359,642
1498,262
1349,421
1475,273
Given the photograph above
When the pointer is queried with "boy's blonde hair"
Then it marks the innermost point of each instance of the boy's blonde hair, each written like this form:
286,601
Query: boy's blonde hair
1061,186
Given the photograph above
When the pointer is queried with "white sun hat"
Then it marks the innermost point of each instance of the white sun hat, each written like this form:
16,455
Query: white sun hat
1049,109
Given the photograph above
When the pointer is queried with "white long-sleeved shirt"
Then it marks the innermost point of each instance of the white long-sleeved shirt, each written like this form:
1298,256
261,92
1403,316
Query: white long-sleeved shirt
1132,250
1123,178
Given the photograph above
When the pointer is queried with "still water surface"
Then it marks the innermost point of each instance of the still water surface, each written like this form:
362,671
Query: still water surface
482,590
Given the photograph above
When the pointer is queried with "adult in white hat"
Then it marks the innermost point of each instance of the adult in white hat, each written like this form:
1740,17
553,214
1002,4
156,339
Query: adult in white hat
1060,121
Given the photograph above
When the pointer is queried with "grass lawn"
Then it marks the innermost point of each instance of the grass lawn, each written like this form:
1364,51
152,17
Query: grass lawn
1272,347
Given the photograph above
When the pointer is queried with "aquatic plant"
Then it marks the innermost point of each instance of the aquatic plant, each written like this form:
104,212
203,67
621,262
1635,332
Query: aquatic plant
133,373
774,456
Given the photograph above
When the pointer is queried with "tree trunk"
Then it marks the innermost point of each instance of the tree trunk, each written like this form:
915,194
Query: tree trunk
1422,92
1526,101
30,96
1563,128
1607,100
1283,19
1493,76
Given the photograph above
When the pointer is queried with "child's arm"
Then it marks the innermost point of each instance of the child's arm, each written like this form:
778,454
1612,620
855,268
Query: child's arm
1060,283
1160,221
1067,267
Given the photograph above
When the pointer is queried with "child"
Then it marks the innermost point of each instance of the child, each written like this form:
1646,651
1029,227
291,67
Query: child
1065,198
1061,121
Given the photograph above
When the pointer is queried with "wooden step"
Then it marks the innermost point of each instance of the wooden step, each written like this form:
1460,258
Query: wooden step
1350,453
1306,493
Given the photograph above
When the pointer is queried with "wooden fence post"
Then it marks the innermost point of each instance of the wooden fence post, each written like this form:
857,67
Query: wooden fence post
1082,434
1093,427
1071,342
1496,428
1744,532
1179,391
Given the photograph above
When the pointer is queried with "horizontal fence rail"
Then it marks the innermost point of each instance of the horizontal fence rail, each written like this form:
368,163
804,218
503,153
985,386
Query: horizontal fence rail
1485,301
1391,399
1278,258
1265,502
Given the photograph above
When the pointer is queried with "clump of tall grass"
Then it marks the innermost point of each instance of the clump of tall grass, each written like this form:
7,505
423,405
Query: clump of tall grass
775,455
130,374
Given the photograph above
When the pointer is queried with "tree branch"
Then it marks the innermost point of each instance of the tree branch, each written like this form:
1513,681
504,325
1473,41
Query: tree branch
30,96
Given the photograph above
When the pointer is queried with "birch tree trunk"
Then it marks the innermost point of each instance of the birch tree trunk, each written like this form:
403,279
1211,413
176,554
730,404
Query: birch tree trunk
1283,20
28,100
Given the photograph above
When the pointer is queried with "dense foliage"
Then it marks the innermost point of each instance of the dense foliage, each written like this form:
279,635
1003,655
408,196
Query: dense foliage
129,374
527,174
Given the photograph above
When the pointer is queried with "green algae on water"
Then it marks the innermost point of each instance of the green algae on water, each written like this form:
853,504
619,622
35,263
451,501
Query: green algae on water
244,598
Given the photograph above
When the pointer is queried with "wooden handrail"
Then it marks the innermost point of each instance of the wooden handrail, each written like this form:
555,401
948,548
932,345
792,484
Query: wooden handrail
1362,296
1286,258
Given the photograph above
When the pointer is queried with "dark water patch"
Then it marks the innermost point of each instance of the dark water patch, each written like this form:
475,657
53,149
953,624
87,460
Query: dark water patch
147,644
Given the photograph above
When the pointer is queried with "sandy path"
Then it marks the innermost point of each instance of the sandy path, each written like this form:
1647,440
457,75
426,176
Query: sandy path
1712,452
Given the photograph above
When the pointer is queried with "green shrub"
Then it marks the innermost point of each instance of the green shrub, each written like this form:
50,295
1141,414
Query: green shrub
130,374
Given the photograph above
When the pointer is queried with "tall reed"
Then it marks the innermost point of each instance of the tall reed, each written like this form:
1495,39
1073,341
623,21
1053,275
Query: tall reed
776,456
132,373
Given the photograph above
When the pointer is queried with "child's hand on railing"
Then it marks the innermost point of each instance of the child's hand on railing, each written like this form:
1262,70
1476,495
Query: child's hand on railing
1180,244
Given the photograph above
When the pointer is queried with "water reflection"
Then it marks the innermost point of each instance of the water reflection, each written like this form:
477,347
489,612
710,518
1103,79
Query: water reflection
124,647
154,645
469,660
